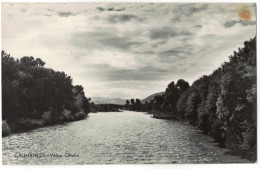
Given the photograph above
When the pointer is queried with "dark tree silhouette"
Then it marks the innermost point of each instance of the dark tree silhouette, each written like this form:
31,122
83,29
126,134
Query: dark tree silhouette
31,91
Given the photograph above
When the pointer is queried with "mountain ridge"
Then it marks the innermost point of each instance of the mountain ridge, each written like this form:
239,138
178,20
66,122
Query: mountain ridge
151,97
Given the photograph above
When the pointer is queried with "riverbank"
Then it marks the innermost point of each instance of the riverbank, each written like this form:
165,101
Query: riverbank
163,116
246,154
27,124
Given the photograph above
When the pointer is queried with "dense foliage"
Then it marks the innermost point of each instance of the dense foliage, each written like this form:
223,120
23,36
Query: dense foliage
222,104
106,107
136,105
34,94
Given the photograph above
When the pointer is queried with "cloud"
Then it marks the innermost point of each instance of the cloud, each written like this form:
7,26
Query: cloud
175,52
156,44
136,48
111,74
23,10
120,9
101,9
229,24
110,9
50,10
184,11
123,18
65,14
104,40
198,26
92,40
190,9
153,69
193,9
166,33
118,42
176,55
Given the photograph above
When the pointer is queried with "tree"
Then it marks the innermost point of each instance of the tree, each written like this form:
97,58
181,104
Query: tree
9,92
170,99
132,106
127,105
182,85
181,106
191,107
222,103
138,105
158,101
29,90
81,102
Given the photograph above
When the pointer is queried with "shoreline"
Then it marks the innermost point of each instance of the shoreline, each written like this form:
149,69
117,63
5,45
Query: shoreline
166,116
27,124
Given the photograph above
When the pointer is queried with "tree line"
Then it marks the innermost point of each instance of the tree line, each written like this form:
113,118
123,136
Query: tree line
34,96
222,104
106,107
136,105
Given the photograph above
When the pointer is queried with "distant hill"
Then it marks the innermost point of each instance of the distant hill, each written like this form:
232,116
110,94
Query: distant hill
151,97
101,100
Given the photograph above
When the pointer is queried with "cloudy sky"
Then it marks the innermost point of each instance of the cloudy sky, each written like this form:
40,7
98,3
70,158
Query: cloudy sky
127,50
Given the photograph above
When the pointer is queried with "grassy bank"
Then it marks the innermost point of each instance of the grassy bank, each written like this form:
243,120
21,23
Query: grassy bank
27,124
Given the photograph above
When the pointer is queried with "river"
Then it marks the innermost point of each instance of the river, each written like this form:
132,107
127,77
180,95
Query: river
115,138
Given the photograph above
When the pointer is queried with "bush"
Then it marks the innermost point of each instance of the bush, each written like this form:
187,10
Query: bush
80,115
6,130
28,124
67,115
47,117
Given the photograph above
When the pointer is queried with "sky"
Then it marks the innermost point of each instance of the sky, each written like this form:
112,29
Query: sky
127,50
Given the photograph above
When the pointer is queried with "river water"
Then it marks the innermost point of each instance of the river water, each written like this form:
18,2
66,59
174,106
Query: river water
115,138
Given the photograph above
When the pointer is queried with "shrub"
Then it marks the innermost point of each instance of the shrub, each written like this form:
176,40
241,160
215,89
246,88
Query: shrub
67,115
28,124
80,115
6,130
47,117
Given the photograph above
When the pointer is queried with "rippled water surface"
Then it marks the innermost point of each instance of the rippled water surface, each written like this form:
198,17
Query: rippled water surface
117,138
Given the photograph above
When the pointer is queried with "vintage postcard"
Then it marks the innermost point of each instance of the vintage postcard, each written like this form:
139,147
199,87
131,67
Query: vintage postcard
128,83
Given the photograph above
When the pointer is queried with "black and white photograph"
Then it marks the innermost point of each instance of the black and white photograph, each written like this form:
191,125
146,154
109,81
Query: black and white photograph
94,83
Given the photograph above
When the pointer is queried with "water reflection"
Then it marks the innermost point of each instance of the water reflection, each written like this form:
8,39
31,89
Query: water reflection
117,138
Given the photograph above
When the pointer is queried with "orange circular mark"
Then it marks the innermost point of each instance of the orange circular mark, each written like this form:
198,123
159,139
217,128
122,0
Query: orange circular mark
244,13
